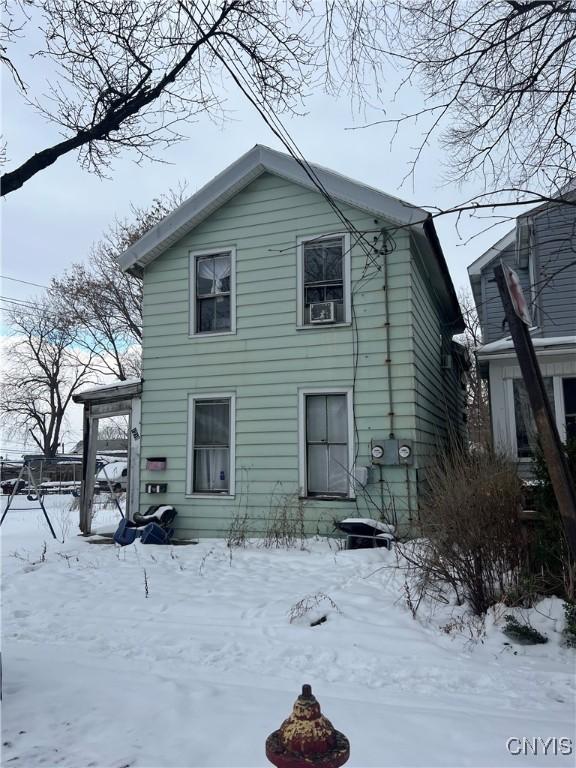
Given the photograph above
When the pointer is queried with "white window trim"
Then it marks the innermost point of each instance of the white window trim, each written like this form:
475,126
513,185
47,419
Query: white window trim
192,398
193,256
559,413
346,274
302,468
559,406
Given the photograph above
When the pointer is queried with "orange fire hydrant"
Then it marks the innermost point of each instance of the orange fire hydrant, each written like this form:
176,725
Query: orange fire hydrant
307,739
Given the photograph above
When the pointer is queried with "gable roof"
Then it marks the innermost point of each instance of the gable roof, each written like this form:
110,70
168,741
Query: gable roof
477,266
250,166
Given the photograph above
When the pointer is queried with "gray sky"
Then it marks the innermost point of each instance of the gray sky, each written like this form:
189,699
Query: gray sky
51,222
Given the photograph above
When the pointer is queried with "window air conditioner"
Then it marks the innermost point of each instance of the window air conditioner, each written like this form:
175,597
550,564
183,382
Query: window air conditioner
322,312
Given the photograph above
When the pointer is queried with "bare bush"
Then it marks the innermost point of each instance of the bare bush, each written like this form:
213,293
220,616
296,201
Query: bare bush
473,541
237,535
285,523
319,603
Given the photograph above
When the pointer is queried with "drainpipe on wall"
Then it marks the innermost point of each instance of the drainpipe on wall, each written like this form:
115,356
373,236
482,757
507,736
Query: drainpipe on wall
388,359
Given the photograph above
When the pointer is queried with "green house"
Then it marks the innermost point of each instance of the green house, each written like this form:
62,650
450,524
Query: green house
297,351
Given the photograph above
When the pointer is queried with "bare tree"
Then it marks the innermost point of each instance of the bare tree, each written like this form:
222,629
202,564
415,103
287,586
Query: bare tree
44,368
499,77
129,73
478,407
104,301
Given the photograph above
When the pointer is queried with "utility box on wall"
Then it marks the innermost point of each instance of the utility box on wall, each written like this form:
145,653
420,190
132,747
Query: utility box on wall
390,452
156,487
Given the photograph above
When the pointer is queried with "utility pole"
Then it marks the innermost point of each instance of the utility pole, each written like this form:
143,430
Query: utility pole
517,316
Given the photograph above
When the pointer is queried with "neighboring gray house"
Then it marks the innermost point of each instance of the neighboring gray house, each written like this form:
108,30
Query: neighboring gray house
297,350
542,251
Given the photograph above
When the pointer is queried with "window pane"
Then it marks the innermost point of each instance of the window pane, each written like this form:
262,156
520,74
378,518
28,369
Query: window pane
569,391
222,273
317,469
569,387
334,293
313,264
211,423
204,276
337,418
316,419
211,470
314,295
205,315
338,481
525,427
222,320
333,262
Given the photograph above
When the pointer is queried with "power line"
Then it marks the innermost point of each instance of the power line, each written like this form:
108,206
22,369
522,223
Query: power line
25,282
17,302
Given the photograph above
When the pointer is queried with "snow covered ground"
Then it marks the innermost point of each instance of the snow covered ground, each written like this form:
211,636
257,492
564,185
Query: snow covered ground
198,671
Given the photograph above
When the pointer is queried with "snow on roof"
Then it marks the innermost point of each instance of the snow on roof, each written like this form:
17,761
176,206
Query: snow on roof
506,344
111,385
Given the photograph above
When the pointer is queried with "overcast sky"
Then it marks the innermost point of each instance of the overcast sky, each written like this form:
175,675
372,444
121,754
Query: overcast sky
51,222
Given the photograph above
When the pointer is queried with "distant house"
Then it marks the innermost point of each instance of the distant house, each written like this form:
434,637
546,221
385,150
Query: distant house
297,350
542,250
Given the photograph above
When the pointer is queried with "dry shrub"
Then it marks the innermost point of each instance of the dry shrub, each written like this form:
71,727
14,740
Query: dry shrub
317,605
237,535
473,539
285,523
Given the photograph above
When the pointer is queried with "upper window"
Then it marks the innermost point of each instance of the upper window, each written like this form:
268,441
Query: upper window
326,445
324,265
213,292
525,426
211,422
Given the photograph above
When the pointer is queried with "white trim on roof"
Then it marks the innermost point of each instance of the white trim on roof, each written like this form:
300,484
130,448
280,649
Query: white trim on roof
505,347
258,160
476,267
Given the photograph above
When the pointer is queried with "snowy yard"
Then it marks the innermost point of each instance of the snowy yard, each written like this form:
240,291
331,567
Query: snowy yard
202,668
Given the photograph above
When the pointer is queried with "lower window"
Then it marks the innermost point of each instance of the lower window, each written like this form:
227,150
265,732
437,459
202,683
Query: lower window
525,426
211,421
326,445
569,393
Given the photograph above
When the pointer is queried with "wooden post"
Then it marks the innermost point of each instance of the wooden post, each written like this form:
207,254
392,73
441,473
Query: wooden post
554,456
89,446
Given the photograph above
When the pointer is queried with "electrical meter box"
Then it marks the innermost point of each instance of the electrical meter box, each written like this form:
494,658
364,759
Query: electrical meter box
405,452
390,452
384,451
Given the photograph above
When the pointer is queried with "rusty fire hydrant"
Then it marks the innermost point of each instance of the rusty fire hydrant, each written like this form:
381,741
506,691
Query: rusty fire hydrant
307,739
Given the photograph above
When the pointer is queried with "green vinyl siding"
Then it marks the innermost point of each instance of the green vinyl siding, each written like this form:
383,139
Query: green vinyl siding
268,360
439,394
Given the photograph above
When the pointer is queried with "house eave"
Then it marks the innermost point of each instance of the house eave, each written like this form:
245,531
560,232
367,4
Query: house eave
477,266
543,348
246,169
109,392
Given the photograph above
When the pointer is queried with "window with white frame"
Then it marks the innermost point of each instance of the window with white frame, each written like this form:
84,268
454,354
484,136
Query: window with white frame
326,444
213,292
211,444
324,270
525,426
